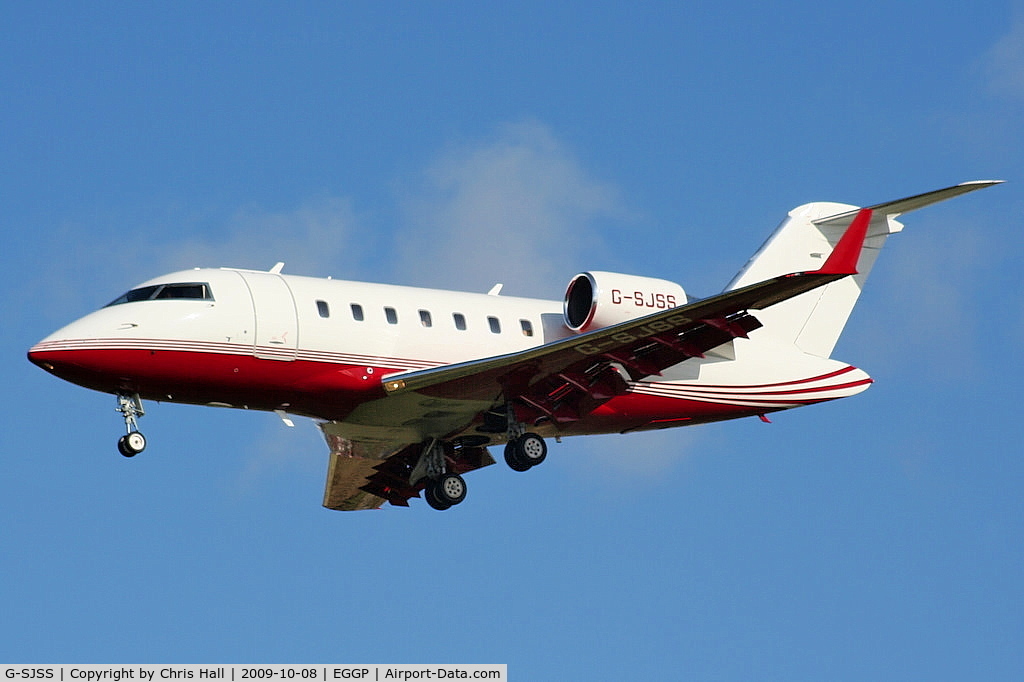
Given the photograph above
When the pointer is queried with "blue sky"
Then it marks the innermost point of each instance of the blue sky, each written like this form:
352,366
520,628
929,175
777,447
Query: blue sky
460,144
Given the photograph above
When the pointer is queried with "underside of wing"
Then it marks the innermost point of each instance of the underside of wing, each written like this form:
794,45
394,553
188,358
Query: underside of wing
351,466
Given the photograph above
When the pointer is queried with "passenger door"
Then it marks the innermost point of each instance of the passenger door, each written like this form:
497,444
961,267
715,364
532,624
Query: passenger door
277,329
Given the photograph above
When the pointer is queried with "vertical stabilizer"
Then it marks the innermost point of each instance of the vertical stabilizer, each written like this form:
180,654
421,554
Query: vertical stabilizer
803,242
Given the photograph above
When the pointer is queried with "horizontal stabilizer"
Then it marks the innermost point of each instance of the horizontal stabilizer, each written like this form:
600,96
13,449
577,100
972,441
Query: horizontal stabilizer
895,208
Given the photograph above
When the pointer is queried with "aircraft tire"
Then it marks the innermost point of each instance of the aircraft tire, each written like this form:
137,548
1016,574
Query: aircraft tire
131,444
450,489
531,449
512,458
428,494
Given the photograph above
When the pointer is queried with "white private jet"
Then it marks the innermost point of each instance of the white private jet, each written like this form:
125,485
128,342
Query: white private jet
411,385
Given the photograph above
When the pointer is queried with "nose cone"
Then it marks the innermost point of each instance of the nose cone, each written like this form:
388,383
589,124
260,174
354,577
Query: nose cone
77,353
50,352
37,355
61,356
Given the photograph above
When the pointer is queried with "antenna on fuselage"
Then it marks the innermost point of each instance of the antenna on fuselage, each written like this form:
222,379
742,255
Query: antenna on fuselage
276,270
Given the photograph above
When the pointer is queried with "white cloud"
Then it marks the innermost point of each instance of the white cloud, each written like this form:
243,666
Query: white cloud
517,208
312,239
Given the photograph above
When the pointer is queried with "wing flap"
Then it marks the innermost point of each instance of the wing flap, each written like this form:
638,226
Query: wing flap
348,471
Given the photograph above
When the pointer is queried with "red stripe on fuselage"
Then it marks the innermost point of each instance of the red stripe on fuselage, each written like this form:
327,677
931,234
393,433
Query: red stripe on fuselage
794,382
316,389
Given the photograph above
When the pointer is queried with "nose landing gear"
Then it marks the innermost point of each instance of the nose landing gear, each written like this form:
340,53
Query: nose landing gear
130,407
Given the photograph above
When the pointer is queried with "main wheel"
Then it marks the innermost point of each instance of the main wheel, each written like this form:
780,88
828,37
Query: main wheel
530,449
512,458
450,489
131,444
432,500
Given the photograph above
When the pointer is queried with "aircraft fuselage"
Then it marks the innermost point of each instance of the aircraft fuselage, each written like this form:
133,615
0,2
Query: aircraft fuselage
320,347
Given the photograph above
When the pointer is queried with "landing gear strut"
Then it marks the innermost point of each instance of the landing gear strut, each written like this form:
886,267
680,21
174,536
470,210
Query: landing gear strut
130,407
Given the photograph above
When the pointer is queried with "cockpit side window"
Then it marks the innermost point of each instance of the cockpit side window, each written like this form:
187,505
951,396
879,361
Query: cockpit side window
140,294
191,290
185,290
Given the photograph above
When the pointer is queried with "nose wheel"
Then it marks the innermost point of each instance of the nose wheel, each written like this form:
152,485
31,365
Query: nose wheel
130,407
131,444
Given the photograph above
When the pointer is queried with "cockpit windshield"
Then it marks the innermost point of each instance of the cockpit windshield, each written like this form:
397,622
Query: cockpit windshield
186,290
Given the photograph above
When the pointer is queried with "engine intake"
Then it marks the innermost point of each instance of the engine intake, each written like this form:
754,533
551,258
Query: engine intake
598,299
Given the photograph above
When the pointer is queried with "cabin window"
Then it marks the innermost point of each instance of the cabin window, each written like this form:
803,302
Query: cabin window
323,308
357,312
392,315
527,327
460,321
425,318
199,291
495,325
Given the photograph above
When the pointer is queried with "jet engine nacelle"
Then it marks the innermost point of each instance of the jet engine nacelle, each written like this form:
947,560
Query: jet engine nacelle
598,299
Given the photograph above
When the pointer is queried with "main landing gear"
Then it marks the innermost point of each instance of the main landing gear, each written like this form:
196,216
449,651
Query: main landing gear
443,489
130,407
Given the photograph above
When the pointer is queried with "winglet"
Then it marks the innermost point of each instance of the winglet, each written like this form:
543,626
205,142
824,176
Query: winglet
844,257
